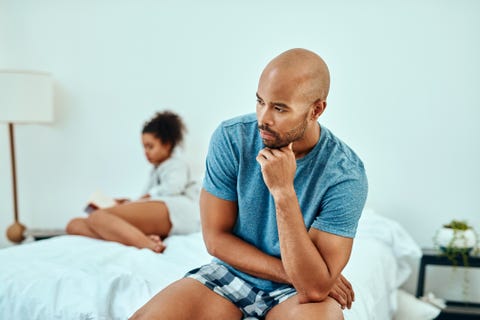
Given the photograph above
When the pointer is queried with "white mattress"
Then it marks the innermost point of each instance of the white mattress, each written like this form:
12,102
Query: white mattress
72,277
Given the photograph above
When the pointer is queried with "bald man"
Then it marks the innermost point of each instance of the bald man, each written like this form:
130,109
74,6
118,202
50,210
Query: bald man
280,204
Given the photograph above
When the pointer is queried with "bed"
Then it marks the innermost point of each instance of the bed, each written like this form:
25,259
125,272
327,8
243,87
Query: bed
72,277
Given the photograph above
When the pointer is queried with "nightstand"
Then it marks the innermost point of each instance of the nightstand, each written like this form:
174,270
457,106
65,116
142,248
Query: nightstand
41,234
455,310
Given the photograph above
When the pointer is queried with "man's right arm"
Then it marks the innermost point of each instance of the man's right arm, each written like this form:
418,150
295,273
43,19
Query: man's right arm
218,220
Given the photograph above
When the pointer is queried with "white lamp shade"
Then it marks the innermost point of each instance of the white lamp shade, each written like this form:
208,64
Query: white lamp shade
26,97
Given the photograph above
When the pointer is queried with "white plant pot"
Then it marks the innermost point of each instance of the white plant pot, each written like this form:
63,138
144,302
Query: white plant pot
458,239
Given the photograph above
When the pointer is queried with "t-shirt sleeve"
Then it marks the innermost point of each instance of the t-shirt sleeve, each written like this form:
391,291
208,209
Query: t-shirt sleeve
342,206
221,167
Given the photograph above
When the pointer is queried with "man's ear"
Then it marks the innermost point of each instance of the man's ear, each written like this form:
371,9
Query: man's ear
319,107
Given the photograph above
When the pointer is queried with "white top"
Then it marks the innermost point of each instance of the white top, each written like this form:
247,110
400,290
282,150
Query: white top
171,178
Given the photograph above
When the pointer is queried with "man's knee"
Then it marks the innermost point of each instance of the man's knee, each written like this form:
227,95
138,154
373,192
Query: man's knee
139,315
136,316
328,309
322,313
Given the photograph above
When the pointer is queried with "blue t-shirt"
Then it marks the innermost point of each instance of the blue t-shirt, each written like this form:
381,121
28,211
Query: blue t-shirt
330,184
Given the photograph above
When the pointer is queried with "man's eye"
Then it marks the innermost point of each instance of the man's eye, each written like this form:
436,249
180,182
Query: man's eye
279,109
260,102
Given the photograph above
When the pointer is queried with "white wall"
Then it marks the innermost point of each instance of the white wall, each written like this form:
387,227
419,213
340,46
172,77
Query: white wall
405,93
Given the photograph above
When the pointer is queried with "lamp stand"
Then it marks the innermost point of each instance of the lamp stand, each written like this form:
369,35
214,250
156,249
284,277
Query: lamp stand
16,230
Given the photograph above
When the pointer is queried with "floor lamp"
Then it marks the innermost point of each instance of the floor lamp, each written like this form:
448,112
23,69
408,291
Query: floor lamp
25,97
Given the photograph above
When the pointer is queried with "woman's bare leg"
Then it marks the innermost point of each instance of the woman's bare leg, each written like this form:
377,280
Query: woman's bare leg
80,227
132,223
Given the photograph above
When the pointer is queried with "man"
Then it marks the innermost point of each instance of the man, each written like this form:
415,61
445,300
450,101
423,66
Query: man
280,205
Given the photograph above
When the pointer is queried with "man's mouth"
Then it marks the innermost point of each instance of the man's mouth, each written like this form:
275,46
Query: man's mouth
266,135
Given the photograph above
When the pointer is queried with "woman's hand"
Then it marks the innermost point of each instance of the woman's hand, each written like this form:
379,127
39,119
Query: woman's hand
122,200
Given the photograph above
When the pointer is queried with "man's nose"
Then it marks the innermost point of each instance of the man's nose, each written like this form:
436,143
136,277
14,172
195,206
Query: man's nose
265,116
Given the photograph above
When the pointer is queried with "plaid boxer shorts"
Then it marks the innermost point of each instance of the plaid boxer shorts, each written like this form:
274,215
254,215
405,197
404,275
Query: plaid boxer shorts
253,302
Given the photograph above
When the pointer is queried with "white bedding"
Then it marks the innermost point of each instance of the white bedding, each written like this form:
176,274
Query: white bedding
71,277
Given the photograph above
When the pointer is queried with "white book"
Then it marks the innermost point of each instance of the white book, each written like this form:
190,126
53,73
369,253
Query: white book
99,200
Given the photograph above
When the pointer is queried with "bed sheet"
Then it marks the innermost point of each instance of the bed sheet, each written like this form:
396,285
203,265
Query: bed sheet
72,277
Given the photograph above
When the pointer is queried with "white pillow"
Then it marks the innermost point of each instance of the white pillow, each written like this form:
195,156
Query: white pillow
411,308
390,232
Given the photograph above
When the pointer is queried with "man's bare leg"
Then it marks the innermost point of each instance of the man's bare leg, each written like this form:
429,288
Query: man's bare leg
328,309
187,299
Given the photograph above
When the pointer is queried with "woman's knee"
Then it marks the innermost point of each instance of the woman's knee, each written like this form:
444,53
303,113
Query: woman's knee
75,226
97,218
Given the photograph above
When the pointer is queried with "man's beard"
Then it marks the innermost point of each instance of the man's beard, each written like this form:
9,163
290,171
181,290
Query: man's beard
293,135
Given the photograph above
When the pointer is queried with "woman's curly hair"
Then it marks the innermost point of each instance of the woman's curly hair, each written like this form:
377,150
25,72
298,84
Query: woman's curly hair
166,126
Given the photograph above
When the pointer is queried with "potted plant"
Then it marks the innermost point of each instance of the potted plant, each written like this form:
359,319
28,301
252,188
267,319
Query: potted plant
456,239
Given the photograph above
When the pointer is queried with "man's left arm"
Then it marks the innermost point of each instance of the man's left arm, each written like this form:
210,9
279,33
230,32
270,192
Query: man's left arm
313,259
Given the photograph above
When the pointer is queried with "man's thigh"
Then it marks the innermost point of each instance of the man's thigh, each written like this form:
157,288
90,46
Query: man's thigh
187,299
328,309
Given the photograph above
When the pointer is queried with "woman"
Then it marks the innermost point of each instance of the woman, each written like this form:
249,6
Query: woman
169,205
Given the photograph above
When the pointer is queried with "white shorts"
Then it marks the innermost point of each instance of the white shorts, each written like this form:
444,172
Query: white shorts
184,213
